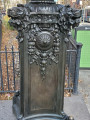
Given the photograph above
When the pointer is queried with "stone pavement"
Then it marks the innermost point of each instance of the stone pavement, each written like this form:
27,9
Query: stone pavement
74,106
84,86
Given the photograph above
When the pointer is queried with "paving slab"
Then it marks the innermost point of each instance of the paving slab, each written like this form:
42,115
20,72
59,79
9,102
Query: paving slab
84,86
74,106
6,110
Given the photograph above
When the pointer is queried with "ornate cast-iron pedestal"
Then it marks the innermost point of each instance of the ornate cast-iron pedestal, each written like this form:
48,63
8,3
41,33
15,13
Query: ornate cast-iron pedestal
42,34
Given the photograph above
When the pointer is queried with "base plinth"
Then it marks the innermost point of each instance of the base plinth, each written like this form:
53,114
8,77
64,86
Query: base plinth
16,111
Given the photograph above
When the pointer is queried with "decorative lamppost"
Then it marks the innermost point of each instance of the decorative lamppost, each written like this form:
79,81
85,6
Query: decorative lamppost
43,26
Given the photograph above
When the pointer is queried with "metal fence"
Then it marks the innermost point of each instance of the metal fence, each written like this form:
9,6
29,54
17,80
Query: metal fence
72,65
10,70
70,68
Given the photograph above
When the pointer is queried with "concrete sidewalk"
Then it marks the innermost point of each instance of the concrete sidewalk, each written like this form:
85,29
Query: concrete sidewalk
74,106
84,86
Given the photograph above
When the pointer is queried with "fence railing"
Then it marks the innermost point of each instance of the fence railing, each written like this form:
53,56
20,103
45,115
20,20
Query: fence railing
10,70
70,69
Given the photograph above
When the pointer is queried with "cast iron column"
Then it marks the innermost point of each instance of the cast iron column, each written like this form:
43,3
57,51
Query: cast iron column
42,34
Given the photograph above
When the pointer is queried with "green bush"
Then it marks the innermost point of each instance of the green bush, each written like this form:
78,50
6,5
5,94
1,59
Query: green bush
6,24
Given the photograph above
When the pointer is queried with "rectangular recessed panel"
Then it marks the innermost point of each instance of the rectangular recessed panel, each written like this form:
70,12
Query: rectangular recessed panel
84,38
43,91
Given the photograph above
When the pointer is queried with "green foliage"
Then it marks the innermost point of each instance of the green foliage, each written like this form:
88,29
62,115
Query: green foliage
6,24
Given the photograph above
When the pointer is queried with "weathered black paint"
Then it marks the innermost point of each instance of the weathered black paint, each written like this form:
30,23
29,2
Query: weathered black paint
43,27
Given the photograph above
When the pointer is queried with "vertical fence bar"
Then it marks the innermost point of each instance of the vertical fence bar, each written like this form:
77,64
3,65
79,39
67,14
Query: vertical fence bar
19,53
75,85
7,67
0,30
69,69
13,68
1,74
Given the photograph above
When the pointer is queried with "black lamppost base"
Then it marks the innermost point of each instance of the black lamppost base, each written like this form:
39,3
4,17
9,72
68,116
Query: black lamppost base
16,111
46,117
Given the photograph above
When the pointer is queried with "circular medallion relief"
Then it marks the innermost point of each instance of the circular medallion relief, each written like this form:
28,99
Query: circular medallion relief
44,41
